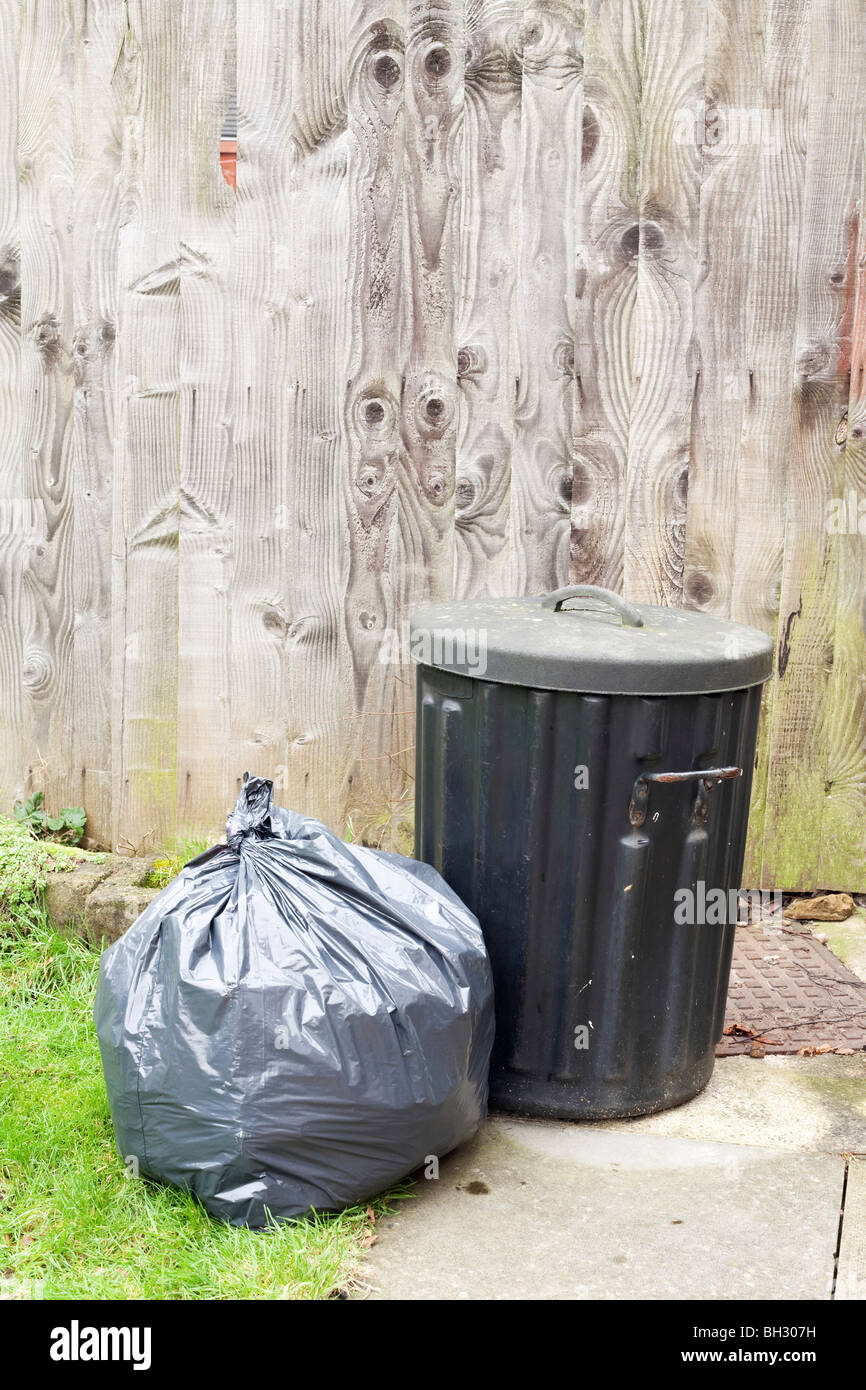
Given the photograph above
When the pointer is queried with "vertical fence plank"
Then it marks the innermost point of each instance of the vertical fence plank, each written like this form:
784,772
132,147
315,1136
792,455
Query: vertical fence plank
206,244
316,240
20,523
487,305
606,286
262,377
806,740
45,155
542,459
726,123
424,547
147,495
665,243
433,111
843,844
376,283
99,37
758,505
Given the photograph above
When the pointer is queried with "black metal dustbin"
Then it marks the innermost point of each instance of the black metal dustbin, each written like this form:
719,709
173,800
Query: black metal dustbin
582,781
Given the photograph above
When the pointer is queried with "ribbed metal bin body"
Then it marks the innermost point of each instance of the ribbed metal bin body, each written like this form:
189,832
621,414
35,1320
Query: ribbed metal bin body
577,904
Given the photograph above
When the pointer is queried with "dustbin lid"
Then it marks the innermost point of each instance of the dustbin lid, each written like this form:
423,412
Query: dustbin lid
590,639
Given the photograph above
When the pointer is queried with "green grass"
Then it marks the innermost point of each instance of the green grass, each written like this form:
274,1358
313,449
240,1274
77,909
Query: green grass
170,864
70,1217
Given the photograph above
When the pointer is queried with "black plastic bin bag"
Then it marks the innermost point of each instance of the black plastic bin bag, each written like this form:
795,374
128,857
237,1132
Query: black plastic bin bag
294,1022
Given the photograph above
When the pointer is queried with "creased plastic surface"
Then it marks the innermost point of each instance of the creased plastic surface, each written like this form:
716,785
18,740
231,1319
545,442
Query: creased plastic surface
294,1022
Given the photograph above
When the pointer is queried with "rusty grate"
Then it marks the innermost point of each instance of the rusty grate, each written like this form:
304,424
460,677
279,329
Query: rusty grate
789,992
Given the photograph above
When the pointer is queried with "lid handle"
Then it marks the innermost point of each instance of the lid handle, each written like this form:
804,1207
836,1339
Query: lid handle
631,616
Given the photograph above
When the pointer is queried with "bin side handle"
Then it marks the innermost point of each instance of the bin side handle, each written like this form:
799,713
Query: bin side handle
637,807
631,616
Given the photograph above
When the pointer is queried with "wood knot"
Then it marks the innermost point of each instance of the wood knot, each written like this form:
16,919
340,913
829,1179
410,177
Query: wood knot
563,487
45,334
465,493
10,276
387,71
471,361
375,412
36,671
642,236
591,133
699,589
562,358
434,410
437,62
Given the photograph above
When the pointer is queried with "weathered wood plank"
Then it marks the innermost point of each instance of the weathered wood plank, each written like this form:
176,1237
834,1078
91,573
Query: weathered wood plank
317,237
542,457
606,288
806,744
487,304
46,616
99,35
206,247
377,453
726,122
20,523
842,858
758,506
664,241
262,392
147,495
433,148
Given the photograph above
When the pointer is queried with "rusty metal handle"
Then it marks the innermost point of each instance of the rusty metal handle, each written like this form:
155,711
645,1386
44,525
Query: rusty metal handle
631,616
637,807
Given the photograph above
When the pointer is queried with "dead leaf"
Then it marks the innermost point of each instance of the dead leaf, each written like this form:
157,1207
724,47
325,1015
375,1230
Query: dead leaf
369,1239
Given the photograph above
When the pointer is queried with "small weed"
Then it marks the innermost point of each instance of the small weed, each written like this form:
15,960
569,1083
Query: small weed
66,829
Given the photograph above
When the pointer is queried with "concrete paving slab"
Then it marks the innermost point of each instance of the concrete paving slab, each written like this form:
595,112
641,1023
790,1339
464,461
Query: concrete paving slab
548,1210
847,940
802,1104
851,1279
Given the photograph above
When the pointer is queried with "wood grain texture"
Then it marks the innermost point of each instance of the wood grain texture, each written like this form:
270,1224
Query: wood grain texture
726,121
843,845
317,243
373,398
487,303
19,522
147,495
509,292
606,288
99,37
261,308
664,242
810,742
542,464
46,615
764,470
205,259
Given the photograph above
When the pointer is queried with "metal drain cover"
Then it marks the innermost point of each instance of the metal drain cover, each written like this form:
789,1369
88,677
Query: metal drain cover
788,992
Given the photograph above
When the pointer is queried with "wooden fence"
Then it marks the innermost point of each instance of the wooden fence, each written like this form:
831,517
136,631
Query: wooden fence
505,294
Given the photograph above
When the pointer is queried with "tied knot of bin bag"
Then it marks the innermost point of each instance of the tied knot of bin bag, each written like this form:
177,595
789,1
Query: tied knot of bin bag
252,813
294,1022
